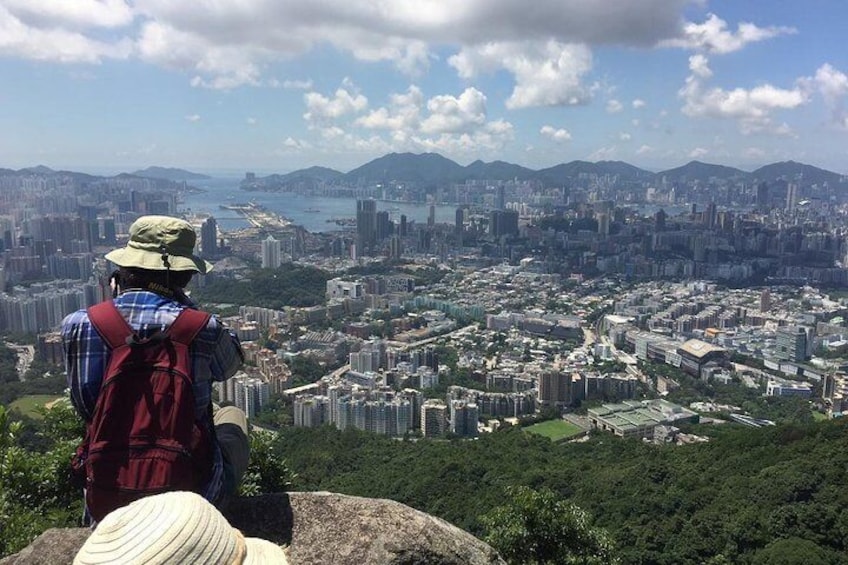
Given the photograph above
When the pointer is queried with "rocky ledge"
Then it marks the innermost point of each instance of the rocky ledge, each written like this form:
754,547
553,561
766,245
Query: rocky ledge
318,528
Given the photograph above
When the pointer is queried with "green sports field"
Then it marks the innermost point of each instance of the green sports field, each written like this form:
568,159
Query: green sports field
28,405
555,429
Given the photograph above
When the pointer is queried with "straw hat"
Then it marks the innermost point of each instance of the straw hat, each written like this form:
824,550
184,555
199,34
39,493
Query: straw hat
153,239
172,528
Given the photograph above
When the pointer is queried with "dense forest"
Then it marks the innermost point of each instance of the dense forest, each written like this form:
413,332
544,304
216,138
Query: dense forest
771,495
290,285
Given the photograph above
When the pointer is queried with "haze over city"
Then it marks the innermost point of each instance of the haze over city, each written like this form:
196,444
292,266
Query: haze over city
109,85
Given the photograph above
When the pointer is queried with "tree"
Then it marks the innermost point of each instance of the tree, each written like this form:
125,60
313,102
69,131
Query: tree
537,527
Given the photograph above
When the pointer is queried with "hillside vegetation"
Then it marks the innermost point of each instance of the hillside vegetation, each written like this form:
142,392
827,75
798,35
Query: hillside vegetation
745,497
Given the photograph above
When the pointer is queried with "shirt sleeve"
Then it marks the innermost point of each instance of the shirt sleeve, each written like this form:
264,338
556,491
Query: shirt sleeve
227,357
85,358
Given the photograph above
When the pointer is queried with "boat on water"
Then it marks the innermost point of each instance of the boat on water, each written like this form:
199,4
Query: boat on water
312,211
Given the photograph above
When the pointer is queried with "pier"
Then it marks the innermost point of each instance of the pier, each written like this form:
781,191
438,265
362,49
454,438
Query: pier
258,215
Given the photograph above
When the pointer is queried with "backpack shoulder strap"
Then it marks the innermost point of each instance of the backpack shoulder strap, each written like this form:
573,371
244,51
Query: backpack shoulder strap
188,324
109,323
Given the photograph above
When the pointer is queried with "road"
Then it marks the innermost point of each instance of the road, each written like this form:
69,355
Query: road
26,353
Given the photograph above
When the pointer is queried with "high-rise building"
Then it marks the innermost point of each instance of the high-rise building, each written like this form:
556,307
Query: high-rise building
366,223
209,237
271,253
463,418
431,217
603,223
503,222
791,343
555,388
791,196
434,418
500,204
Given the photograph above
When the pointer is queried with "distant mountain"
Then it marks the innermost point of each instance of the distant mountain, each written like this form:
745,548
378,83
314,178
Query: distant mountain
565,173
39,170
790,170
318,173
432,169
497,170
176,175
426,168
696,170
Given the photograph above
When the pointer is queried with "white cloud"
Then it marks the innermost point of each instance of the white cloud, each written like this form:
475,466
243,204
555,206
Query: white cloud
320,108
297,84
614,106
402,113
547,73
752,109
76,14
450,114
296,144
230,43
558,135
55,44
644,150
604,154
193,118
251,121
713,36
754,153
833,86
638,104
624,136
698,152
454,124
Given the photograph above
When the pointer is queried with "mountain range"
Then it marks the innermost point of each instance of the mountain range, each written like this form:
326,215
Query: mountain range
432,169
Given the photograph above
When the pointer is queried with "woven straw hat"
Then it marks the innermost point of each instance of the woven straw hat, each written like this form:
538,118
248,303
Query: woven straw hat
172,528
153,238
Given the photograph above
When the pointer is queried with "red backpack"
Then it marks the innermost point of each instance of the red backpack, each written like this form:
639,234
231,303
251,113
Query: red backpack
143,438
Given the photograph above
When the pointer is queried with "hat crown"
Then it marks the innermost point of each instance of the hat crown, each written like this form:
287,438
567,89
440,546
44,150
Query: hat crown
173,235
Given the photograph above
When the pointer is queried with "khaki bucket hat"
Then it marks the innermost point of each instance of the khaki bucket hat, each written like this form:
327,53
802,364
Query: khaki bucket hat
158,243
172,528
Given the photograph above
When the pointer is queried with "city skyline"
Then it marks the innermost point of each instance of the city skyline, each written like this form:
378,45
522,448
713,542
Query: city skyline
107,86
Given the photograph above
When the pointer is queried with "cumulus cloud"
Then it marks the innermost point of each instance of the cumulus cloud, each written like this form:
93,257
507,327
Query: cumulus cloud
713,36
402,113
320,108
832,84
614,106
558,135
28,40
296,144
604,154
251,121
644,150
297,84
547,73
450,114
79,14
455,124
638,104
752,109
193,118
698,152
624,136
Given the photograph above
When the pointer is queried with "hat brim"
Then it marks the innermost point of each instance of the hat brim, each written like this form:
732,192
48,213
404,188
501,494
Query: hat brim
263,552
152,261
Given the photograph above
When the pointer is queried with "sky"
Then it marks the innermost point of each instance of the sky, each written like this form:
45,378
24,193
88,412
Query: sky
229,86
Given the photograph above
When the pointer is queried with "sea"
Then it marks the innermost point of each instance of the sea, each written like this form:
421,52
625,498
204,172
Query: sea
315,213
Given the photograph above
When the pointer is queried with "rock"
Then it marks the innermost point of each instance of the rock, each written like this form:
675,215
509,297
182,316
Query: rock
319,528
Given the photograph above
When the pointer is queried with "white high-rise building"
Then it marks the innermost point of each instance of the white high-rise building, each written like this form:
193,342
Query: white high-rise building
271,253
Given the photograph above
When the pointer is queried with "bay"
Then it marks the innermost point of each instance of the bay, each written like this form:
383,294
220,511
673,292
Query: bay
311,212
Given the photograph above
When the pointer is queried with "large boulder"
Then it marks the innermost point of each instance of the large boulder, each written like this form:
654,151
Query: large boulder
319,528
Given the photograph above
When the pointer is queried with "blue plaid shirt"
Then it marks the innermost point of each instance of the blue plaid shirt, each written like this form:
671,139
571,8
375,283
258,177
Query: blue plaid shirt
215,356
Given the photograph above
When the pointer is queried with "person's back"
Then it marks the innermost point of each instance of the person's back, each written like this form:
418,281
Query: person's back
156,265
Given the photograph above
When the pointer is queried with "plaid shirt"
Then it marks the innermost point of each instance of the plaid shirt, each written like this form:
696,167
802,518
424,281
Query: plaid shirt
215,355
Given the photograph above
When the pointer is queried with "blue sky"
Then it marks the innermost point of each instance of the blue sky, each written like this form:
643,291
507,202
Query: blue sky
276,85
